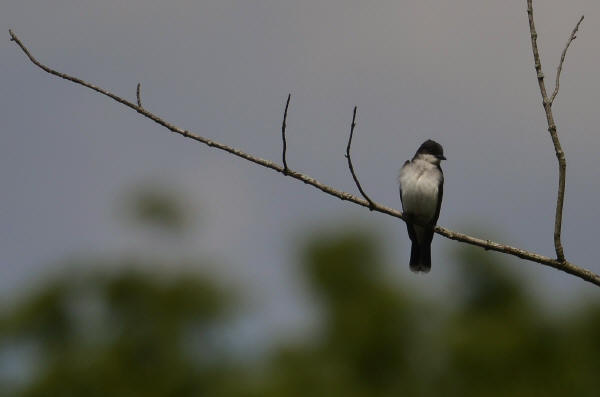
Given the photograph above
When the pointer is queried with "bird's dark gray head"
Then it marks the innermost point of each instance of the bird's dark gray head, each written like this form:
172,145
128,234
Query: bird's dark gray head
433,148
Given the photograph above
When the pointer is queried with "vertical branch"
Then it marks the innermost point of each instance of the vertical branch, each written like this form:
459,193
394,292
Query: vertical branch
360,189
547,104
283,127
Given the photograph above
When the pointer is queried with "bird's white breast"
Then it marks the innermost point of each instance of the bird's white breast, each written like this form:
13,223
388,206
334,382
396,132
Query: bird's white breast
419,186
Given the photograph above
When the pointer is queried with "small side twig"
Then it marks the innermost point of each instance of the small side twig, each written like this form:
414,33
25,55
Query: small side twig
138,95
283,127
371,203
562,60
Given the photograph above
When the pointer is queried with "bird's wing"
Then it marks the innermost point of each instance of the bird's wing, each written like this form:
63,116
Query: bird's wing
441,195
400,180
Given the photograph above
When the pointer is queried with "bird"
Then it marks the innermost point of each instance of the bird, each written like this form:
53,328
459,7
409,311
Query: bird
421,190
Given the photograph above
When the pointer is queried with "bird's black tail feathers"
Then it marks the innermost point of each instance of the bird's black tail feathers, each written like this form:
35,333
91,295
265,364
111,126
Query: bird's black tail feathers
420,258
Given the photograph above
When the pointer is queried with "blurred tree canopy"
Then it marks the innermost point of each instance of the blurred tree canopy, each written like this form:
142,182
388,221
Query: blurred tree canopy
136,333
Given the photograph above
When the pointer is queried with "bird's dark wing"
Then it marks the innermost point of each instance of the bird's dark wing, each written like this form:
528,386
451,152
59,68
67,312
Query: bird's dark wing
439,205
411,230
404,165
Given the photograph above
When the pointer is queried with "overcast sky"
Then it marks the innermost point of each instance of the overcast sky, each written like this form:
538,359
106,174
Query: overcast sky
459,72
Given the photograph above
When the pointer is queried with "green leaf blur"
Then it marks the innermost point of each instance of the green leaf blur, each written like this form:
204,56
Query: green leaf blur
142,333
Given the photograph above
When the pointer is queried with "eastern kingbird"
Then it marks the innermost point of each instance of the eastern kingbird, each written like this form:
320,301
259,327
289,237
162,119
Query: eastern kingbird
421,190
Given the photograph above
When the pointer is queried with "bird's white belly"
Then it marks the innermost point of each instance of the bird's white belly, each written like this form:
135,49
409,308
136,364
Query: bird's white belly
419,197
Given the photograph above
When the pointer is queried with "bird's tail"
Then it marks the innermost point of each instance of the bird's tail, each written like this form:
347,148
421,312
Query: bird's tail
420,258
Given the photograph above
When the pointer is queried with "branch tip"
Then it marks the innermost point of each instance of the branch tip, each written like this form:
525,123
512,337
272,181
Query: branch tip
138,95
572,37
283,128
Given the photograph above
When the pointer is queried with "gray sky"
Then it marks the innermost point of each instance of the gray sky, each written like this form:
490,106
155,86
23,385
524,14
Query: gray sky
458,71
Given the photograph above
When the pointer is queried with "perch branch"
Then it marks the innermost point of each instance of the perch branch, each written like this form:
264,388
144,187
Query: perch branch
565,266
360,189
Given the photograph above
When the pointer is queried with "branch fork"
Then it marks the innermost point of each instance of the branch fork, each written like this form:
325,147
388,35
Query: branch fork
547,104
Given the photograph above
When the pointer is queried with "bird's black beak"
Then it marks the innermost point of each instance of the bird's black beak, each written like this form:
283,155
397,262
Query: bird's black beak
441,157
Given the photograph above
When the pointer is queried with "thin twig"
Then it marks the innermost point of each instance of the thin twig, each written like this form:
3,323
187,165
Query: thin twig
562,60
547,103
137,94
283,127
360,189
565,266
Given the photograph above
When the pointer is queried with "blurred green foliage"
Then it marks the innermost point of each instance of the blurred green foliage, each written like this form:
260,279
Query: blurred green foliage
136,333
157,207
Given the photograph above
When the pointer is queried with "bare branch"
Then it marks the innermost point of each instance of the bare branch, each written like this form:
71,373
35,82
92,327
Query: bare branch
565,266
360,189
547,103
138,95
283,127
562,60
